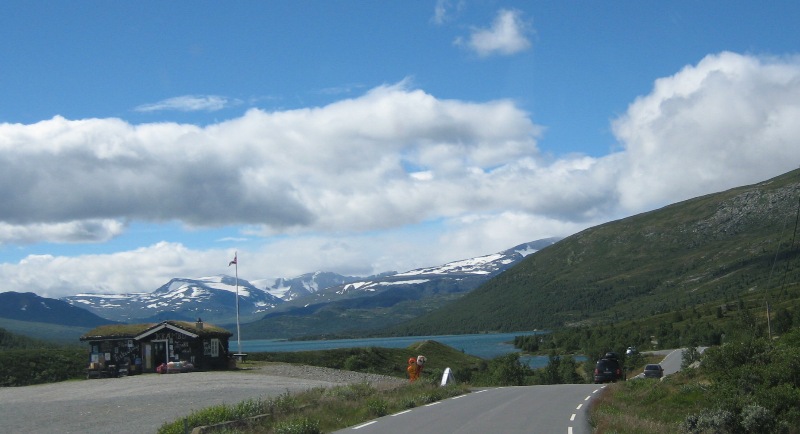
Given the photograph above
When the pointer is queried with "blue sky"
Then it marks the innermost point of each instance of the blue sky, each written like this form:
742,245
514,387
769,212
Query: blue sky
150,140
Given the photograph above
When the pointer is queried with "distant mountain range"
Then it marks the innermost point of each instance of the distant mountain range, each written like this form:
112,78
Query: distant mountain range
30,307
214,298
211,298
365,306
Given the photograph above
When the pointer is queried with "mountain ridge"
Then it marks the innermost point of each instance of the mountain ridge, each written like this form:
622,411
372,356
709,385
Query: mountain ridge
709,249
361,308
213,298
27,306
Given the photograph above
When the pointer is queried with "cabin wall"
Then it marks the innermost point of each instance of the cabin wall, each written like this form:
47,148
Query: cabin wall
117,352
164,346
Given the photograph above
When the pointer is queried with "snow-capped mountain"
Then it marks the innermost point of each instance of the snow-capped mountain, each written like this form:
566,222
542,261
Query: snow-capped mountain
303,285
477,269
210,298
214,298
378,302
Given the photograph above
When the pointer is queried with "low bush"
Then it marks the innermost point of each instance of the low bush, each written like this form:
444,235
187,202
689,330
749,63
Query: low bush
28,367
748,386
302,425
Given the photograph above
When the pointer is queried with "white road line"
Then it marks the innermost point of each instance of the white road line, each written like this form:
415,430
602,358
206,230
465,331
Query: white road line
569,430
433,403
364,424
579,406
402,412
459,396
588,398
481,391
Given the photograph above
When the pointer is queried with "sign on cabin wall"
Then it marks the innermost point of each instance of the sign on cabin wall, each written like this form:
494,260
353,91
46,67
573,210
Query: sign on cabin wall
211,348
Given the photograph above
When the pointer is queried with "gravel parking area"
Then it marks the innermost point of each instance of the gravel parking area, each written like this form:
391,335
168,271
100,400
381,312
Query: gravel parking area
142,403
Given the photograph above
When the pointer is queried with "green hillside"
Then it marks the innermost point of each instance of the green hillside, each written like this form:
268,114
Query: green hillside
386,361
713,249
53,333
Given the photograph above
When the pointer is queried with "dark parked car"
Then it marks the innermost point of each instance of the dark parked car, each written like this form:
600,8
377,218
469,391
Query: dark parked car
608,369
653,371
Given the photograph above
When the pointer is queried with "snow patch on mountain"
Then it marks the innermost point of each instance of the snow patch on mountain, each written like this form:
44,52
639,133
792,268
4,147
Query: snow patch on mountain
480,265
214,298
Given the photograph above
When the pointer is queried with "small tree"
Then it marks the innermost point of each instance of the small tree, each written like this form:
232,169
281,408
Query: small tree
690,355
507,370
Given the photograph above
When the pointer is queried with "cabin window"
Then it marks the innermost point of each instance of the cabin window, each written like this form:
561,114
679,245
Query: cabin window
214,347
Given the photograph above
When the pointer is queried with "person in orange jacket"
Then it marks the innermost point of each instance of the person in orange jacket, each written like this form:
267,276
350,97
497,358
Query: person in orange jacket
415,366
413,371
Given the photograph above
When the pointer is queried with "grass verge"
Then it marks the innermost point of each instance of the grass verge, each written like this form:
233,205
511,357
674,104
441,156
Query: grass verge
649,406
315,411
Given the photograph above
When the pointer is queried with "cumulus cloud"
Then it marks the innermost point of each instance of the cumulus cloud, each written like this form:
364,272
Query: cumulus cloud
507,35
130,271
727,121
189,103
338,167
437,180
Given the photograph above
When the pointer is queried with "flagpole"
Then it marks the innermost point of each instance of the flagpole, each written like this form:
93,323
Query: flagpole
238,331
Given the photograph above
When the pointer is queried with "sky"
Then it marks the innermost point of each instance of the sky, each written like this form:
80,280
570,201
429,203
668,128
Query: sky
142,141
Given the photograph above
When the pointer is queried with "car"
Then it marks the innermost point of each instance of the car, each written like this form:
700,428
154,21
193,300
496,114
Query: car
653,371
631,351
607,370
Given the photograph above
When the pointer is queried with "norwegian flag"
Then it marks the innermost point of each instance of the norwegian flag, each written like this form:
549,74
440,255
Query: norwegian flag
234,260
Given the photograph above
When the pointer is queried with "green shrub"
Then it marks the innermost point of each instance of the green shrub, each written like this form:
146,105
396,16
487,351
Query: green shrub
689,356
47,365
302,425
713,421
757,419
408,402
355,363
378,407
507,370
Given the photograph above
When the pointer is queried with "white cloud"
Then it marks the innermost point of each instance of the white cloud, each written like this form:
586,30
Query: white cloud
189,103
729,120
508,35
147,268
392,180
140,270
338,167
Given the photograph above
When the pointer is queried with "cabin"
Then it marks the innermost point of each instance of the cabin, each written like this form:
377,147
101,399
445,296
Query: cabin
125,349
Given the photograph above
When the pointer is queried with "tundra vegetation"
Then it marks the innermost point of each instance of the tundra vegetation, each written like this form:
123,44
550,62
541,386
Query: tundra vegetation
746,386
25,361
747,383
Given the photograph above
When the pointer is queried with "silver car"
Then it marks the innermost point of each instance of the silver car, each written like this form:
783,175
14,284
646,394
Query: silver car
653,371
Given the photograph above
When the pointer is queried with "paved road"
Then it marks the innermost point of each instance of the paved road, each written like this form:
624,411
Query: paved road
672,360
508,410
137,404
141,404
529,409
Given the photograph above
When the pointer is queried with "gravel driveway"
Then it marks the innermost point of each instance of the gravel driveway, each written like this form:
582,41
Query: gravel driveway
141,404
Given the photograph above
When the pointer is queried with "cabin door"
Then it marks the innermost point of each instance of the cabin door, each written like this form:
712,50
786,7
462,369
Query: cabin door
159,353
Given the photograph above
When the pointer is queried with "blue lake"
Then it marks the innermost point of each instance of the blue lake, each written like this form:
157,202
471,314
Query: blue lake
486,345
